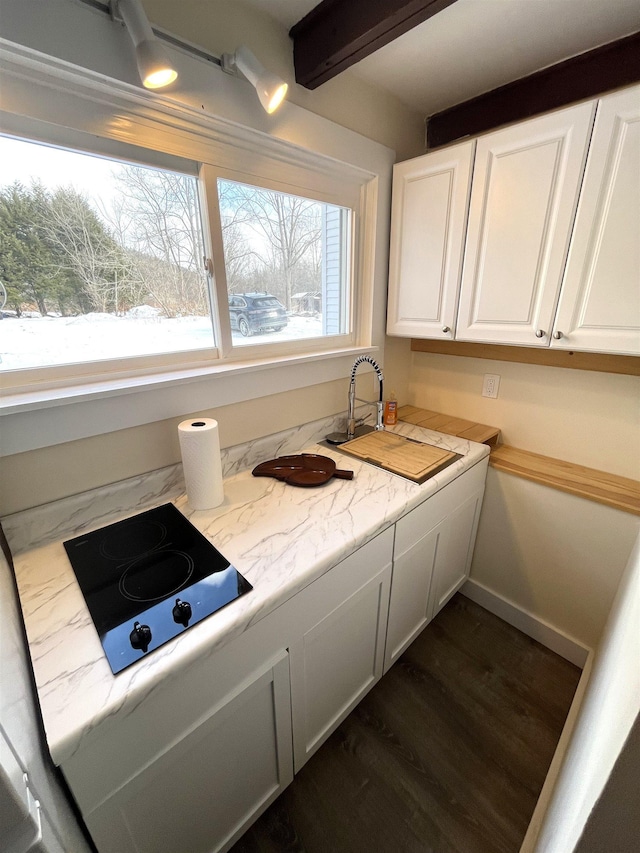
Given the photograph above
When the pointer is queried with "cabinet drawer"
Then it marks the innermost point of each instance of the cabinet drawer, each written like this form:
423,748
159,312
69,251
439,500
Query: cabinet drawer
599,305
455,552
410,604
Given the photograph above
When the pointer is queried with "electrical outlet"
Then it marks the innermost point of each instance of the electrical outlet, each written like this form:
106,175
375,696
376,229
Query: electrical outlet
491,385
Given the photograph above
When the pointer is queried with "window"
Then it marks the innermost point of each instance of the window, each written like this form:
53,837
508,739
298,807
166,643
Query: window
205,132
102,261
99,259
288,259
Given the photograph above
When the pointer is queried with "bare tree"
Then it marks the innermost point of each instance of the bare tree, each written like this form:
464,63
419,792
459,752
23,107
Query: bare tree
287,227
86,249
240,260
120,221
164,231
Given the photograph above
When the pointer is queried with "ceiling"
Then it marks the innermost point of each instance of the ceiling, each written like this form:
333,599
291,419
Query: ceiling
474,46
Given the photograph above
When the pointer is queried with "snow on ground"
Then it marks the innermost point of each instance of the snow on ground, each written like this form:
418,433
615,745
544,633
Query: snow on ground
43,341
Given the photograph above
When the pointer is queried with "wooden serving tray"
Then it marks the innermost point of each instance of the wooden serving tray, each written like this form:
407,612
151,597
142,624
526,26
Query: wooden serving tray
404,456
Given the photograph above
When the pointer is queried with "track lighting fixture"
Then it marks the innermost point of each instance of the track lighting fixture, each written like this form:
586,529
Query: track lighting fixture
154,66
270,88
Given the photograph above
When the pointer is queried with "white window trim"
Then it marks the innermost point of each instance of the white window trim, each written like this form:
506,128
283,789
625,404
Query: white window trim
46,92
32,420
360,334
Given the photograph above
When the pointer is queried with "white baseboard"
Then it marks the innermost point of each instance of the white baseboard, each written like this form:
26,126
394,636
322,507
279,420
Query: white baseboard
554,639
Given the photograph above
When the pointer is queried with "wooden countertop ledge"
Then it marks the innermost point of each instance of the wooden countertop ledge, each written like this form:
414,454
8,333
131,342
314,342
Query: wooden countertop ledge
609,489
599,486
471,430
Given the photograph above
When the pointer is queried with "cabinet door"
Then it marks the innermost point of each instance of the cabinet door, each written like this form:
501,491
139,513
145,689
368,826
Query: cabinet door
202,792
428,221
432,557
599,306
525,190
339,655
410,605
457,536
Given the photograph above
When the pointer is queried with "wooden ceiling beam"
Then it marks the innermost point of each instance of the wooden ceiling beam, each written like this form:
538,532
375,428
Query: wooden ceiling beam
338,33
588,75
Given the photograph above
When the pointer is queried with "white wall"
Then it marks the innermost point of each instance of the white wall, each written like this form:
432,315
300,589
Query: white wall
614,823
49,473
140,436
610,707
557,558
221,25
580,416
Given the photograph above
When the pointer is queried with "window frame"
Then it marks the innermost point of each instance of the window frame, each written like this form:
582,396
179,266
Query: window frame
351,200
217,117
223,349
71,374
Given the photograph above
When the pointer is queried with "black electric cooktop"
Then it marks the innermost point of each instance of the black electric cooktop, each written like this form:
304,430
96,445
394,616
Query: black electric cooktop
147,579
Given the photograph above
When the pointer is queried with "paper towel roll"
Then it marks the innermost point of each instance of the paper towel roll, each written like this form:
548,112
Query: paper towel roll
200,450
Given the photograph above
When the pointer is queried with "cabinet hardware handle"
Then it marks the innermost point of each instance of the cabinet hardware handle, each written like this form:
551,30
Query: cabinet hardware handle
446,329
558,335
540,333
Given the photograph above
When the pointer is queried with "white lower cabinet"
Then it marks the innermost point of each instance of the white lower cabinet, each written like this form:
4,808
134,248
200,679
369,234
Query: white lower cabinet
338,655
200,794
456,540
201,757
409,609
432,557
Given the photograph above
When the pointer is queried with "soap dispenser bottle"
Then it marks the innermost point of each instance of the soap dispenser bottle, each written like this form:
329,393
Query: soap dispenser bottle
391,411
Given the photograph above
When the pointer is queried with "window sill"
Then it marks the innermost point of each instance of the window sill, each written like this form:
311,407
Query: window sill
41,416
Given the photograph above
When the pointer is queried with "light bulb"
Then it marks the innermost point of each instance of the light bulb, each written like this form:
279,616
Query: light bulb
161,77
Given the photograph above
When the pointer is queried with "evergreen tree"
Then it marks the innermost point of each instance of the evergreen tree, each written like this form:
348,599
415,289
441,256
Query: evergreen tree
55,252
25,259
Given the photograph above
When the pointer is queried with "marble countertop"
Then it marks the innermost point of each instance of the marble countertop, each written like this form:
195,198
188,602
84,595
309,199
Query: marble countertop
281,538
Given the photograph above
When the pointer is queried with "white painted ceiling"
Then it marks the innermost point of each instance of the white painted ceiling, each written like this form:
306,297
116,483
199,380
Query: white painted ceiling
474,46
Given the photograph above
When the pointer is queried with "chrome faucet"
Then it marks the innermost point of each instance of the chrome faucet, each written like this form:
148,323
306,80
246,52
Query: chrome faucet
352,423
351,412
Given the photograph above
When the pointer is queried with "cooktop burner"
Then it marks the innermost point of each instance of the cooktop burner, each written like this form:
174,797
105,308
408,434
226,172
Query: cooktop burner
147,579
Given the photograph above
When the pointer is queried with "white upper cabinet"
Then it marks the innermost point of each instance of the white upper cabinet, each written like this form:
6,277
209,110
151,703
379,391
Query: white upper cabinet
599,305
552,219
429,214
525,190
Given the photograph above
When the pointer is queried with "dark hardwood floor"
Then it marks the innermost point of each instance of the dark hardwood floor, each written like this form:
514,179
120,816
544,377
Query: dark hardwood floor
447,753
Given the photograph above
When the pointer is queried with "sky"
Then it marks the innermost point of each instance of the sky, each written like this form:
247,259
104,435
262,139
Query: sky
55,167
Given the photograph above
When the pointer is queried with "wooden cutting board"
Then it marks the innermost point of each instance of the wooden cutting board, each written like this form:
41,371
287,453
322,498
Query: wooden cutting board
407,457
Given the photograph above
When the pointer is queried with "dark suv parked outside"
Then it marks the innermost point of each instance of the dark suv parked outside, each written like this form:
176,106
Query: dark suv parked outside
256,312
